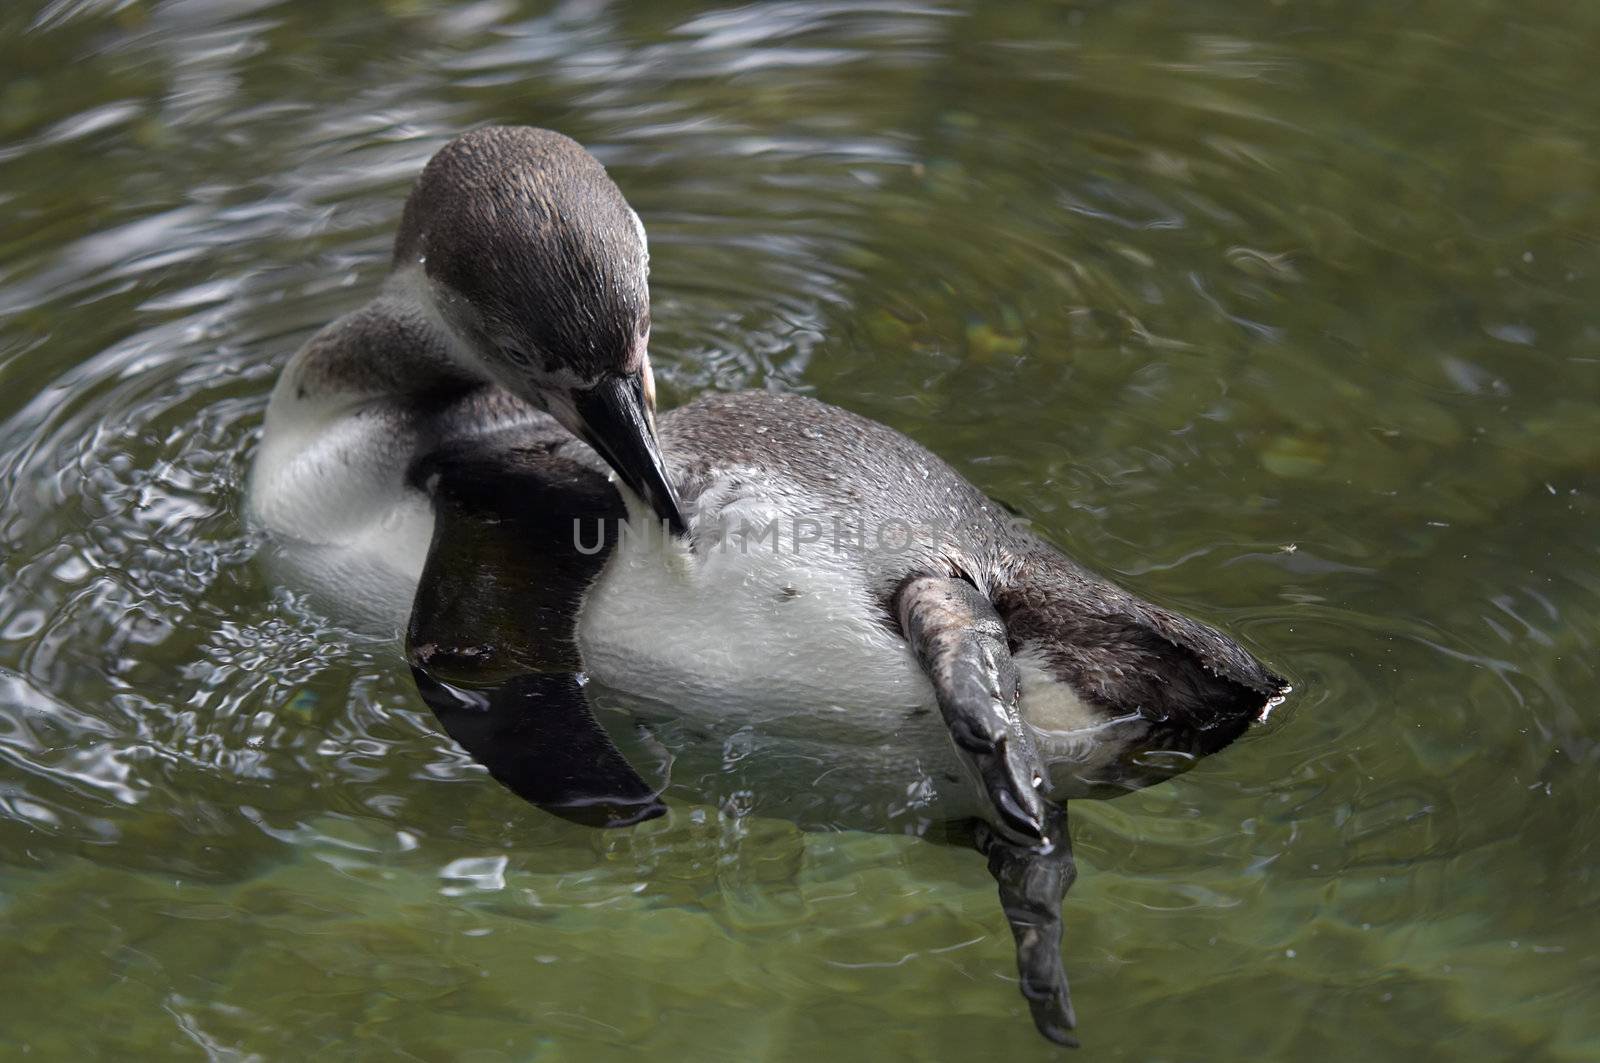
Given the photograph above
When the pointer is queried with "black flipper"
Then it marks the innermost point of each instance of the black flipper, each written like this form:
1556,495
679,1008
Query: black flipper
1032,882
961,642
537,737
491,639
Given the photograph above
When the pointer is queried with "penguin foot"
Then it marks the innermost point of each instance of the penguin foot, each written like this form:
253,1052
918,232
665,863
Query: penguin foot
1032,882
961,643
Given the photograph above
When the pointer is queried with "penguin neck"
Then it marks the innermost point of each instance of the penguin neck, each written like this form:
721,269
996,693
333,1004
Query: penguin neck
396,349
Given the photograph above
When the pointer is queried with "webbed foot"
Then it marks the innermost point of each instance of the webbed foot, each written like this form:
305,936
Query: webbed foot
1032,882
961,642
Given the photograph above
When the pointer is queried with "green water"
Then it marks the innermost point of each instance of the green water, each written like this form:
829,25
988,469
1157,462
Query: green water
1284,314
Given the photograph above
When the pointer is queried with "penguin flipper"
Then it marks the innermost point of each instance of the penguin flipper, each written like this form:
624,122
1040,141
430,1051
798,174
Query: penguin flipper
961,643
536,735
491,639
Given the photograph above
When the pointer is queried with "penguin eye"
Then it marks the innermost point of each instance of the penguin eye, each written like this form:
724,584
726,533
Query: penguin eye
642,326
515,355
529,359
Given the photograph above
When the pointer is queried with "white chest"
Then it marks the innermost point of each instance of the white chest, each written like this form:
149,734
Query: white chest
791,638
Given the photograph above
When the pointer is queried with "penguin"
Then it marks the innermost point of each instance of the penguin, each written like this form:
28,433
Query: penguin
475,457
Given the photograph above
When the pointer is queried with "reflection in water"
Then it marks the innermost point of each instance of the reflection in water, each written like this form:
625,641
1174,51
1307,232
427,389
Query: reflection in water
1279,315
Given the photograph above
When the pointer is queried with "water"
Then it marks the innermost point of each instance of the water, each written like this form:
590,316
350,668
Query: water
1281,314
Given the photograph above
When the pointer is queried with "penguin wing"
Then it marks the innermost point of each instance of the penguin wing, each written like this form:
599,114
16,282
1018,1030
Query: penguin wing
491,639
961,643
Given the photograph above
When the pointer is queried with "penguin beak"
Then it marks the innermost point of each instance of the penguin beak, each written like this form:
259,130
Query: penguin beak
614,418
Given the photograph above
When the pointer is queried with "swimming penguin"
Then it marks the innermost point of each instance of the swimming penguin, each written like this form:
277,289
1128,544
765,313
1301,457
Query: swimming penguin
475,454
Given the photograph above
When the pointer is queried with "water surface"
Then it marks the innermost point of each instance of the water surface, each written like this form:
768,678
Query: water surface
1282,314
